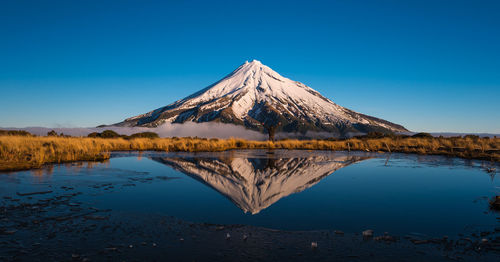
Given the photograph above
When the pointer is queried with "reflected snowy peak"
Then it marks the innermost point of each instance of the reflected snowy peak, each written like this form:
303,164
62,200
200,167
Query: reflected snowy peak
254,183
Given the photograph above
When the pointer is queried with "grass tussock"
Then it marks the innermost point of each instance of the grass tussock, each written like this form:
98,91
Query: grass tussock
25,152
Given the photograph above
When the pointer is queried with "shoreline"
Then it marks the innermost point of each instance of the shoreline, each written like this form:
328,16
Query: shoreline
25,152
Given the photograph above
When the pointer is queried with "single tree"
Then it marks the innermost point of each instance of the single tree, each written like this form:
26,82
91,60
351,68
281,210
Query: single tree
271,130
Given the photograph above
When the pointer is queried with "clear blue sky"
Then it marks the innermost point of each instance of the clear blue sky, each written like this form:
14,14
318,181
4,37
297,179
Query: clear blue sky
429,65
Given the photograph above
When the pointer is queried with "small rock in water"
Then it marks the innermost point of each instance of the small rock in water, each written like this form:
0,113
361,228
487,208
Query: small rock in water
419,242
75,256
386,238
338,232
34,193
314,245
368,233
8,232
484,240
95,217
228,236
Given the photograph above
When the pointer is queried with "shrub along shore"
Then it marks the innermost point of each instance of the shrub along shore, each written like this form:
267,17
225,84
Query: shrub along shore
21,151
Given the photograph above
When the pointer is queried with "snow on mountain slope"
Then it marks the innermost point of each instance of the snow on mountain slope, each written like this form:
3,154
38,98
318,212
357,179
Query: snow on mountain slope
253,95
254,184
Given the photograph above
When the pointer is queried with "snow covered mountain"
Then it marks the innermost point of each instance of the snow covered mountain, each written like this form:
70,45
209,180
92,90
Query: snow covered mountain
253,183
254,95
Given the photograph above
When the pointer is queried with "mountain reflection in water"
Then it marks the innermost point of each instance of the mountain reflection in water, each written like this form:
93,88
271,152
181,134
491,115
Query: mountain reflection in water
255,182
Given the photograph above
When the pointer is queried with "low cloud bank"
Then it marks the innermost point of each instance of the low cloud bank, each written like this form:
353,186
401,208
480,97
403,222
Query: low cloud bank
205,130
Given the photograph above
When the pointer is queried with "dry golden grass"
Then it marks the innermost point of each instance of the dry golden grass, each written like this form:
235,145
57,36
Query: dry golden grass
24,152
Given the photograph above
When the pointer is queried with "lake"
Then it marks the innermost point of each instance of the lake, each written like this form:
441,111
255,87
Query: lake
281,189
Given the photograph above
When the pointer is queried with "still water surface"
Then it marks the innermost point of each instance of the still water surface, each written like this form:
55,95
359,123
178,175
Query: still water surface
290,190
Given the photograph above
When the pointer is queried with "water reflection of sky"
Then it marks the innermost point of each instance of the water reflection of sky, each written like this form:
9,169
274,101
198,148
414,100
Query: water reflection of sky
290,190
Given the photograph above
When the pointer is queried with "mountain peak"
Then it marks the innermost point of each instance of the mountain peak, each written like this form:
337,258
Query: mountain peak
253,65
254,62
254,94
254,70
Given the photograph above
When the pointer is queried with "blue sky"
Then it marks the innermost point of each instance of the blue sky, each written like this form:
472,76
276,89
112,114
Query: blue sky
428,65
